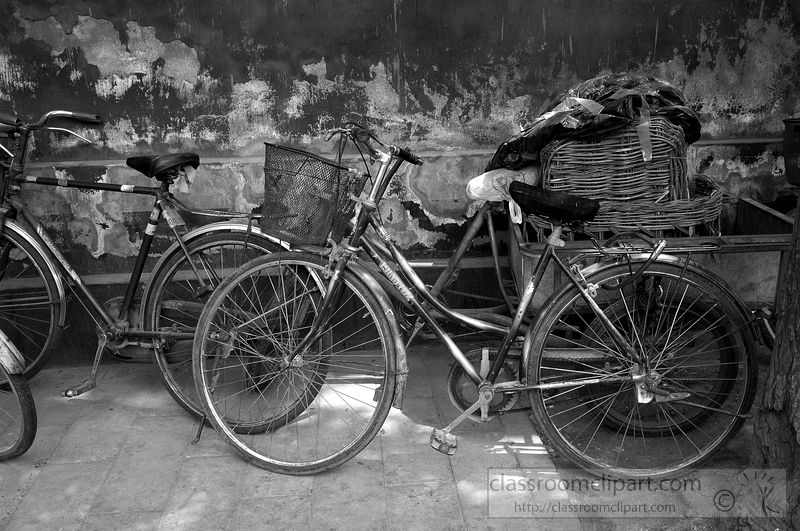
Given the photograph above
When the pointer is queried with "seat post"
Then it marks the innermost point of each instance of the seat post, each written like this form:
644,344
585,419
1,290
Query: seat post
555,239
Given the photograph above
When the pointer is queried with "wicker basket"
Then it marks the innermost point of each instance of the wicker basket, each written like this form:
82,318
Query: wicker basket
612,167
666,215
307,198
634,194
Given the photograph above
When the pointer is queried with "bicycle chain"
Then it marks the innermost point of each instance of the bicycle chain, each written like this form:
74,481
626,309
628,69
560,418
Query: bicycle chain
528,408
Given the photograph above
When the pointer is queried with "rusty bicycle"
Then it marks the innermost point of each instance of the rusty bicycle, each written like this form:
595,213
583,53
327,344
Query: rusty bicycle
158,311
641,364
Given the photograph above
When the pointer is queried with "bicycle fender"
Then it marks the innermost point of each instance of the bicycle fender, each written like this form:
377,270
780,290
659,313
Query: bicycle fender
24,232
709,276
220,226
10,357
401,363
226,226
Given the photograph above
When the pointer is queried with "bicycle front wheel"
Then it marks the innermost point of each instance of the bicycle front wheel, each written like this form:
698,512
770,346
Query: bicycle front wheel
289,411
30,304
175,299
682,399
17,415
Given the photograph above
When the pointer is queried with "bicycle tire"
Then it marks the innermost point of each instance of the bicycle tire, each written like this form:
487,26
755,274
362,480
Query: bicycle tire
697,344
172,301
321,410
17,415
30,304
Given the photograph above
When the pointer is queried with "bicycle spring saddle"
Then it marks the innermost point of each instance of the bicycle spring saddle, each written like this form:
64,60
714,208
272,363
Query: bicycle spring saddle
560,206
162,166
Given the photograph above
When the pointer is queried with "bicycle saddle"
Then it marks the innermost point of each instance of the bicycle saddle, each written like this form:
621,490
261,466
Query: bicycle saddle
554,205
158,165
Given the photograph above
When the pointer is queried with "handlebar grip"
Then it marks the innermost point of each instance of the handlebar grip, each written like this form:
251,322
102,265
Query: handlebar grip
9,119
407,155
86,117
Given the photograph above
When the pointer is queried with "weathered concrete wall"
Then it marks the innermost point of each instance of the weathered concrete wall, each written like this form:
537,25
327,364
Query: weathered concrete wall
450,78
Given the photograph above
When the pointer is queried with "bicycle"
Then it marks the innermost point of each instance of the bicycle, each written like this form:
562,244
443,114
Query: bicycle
641,364
34,274
17,408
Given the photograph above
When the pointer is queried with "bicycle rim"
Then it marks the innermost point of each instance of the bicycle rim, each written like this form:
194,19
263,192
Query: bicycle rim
696,375
317,411
17,416
176,297
30,306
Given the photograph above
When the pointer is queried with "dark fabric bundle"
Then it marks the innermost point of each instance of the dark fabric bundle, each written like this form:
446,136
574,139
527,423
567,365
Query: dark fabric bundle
594,108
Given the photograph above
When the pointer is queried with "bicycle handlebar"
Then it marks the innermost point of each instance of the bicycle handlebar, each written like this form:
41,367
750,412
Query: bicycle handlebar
363,136
405,154
9,122
7,119
69,115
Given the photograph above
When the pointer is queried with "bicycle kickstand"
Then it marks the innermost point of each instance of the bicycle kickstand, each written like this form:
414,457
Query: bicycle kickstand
199,430
91,383
445,442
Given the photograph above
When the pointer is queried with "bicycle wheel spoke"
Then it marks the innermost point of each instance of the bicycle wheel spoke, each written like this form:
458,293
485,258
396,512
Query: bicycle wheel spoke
685,400
287,409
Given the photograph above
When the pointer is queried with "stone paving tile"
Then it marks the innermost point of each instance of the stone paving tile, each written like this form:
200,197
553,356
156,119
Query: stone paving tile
274,512
360,478
424,506
259,483
209,445
15,481
95,436
61,495
367,514
153,448
127,520
411,462
205,494
120,457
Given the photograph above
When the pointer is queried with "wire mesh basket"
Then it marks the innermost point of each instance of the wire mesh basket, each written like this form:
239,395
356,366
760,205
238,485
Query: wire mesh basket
307,198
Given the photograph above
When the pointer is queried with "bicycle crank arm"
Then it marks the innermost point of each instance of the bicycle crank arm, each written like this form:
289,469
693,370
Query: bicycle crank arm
445,442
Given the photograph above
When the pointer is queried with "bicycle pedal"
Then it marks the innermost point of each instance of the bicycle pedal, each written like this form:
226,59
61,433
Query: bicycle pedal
444,442
86,386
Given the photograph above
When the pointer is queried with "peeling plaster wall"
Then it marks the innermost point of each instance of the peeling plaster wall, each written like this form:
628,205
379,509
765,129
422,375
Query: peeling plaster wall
449,78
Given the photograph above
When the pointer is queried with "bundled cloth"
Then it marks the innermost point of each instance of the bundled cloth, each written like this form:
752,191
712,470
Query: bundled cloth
596,108
493,186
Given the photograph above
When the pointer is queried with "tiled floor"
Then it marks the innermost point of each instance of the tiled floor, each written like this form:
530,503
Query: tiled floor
120,457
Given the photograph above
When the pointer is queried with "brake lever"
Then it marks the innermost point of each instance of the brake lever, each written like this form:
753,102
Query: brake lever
50,128
337,131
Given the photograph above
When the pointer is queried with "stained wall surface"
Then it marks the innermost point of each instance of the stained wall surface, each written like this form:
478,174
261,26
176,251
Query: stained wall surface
450,78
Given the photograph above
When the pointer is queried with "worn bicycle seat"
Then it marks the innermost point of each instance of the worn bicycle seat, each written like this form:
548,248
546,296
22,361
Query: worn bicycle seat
554,205
158,165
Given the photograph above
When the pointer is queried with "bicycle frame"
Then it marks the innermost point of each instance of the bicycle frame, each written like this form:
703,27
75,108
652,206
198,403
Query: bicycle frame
163,205
414,292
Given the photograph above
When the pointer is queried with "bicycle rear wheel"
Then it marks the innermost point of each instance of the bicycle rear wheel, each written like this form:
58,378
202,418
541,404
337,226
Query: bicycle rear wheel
30,304
669,411
17,415
317,410
175,299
